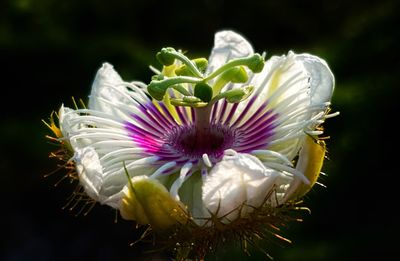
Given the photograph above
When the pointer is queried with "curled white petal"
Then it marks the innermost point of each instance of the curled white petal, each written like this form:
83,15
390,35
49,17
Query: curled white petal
106,76
297,89
89,171
100,140
322,81
66,115
109,91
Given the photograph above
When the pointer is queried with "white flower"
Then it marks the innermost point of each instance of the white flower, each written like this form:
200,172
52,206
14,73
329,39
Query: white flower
246,160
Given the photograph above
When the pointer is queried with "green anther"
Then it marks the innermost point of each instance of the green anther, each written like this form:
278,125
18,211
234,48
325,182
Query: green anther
235,95
165,56
255,63
157,89
201,64
181,89
191,99
182,102
203,91
236,75
157,77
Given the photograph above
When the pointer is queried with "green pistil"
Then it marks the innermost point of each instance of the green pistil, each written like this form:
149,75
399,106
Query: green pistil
192,88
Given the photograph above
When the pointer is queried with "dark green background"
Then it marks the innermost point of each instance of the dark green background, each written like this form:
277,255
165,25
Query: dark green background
50,51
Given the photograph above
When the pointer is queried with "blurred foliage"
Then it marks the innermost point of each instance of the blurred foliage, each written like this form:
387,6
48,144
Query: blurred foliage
50,51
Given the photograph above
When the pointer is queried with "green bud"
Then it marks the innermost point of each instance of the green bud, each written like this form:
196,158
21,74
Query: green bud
165,56
203,91
256,63
201,64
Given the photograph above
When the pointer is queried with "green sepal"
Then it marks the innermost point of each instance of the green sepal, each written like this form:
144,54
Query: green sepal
147,201
310,162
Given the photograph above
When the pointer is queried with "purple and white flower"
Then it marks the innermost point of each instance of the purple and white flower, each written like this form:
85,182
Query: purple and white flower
250,148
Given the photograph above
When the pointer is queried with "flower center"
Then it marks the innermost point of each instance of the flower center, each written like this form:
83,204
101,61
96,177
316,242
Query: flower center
186,141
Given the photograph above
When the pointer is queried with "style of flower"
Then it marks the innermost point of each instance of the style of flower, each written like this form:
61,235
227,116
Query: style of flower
209,147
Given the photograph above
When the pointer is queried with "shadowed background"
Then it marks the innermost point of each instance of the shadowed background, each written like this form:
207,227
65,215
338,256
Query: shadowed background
51,50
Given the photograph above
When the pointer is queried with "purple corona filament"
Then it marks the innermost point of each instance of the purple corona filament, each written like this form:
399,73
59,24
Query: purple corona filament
160,135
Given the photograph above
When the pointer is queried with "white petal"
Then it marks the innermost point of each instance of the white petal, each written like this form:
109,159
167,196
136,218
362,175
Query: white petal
65,115
89,171
322,80
297,90
106,76
228,45
110,94
236,185
100,140
91,178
